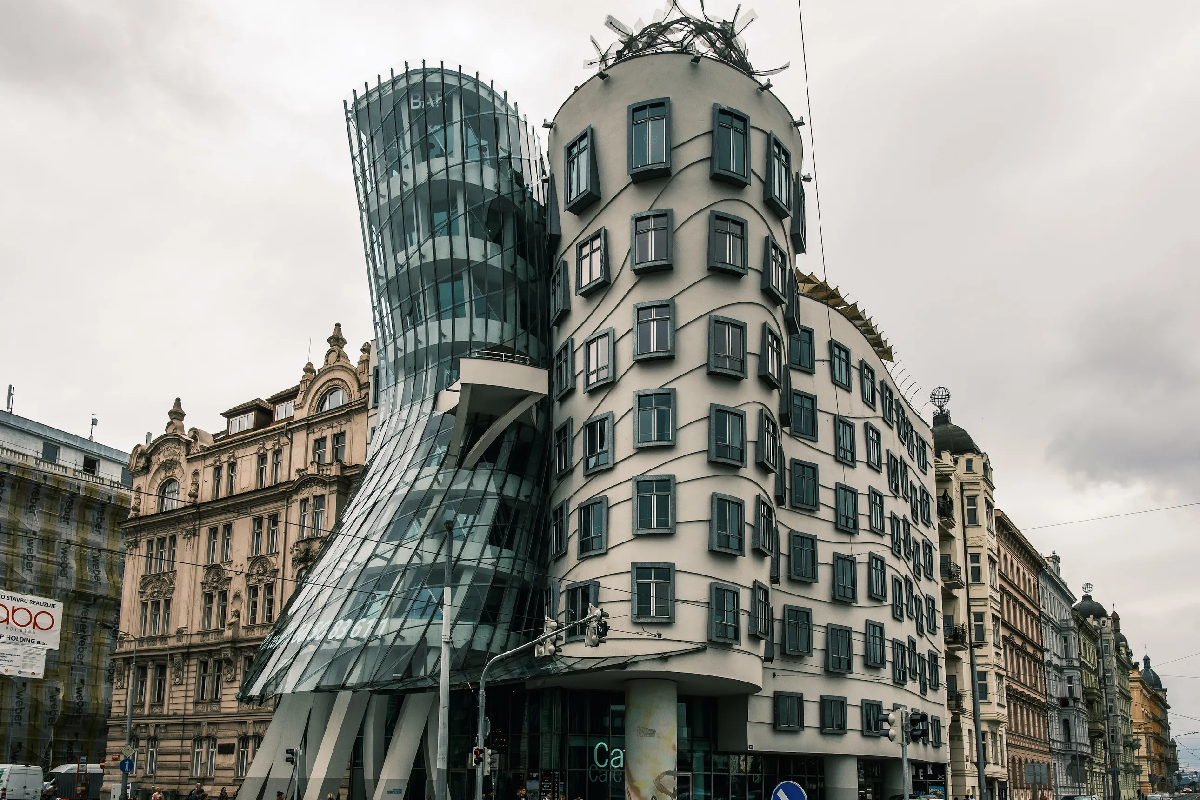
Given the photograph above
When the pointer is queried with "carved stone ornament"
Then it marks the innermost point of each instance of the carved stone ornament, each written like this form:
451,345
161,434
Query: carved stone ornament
262,569
176,415
177,670
136,508
158,586
229,666
215,579
304,552
194,489
118,674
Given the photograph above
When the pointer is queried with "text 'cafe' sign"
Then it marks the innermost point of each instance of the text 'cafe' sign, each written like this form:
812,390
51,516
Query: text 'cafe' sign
28,620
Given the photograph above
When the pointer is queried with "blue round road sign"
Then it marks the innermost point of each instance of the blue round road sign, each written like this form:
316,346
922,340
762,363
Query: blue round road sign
789,790
126,765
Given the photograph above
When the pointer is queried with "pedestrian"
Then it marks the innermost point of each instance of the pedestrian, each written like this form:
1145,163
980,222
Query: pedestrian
196,793
157,794
521,793
224,795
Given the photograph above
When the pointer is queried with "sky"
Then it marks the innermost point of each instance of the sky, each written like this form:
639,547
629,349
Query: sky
1008,189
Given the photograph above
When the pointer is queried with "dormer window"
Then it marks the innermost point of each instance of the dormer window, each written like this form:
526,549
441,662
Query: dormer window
285,410
242,422
334,398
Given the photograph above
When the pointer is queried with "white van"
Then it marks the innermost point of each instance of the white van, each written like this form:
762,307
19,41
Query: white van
18,782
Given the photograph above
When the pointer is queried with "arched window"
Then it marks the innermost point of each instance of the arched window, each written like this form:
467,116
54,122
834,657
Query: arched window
332,399
168,495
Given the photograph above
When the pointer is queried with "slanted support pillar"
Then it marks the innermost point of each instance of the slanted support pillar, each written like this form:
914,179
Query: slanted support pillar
269,772
333,751
374,723
406,738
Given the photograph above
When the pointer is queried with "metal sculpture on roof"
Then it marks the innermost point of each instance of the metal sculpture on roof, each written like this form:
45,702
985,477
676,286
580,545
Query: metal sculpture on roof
674,30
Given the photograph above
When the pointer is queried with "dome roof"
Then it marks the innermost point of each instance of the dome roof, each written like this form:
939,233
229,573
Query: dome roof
1149,675
1087,607
951,437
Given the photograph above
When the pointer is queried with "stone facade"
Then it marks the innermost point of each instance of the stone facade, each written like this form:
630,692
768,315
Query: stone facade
1070,750
1029,776
223,530
1151,729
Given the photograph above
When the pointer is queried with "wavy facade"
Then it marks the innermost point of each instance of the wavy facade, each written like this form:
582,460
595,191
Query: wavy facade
450,196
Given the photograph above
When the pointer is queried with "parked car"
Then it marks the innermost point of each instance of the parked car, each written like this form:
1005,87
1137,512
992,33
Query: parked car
19,782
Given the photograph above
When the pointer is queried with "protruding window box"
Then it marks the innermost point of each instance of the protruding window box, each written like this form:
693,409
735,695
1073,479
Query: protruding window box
582,184
649,139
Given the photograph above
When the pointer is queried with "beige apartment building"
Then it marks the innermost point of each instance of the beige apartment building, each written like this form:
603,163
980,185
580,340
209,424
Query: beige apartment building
973,613
223,528
1152,730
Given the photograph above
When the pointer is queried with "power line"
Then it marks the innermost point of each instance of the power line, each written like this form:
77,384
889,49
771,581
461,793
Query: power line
1114,516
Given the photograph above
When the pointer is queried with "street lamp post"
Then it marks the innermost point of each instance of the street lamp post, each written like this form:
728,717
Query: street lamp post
443,751
128,701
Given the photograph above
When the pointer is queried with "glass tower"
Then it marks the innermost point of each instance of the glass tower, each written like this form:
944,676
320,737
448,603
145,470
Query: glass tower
448,180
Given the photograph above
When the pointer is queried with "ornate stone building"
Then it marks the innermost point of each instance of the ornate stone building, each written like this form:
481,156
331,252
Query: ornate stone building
1117,744
1029,776
223,528
1070,752
1151,730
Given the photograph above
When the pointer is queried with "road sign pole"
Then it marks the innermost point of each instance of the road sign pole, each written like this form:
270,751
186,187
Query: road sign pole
129,715
904,753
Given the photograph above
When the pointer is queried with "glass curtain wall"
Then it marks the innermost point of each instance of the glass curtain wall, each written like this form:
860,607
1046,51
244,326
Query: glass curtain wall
450,194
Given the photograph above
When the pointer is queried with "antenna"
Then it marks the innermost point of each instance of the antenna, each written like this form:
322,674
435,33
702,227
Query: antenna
309,350
92,432
9,405
940,397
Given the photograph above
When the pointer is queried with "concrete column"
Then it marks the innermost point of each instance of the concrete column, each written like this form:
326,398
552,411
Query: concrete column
318,720
893,778
333,751
841,777
374,723
651,744
284,732
406,738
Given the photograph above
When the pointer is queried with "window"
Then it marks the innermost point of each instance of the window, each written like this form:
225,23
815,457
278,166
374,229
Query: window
598,360
970,465
886,399
839,364
726,347
50,452
760,622
899,662
914,504
927,555
874,654
833,714
926,507
789,711
304,532
770,357
651,236
583,174
847,508
202,667
243,756
653,592
564,369
339,447
972,509
654,330
931,611
775,271
874,447
154,612
152,755
838,649
260,471
726,435
976,573
803,559
579,597
804,415
981,685
897,598
723,613
272,533
875,510
908,596
654,418
977,626
797,631
922,454
91,465
269,602
777,183
727,248
845,578
564,458
598,444
935,731
334,398
252,602
593,526
560,292
222,608
256,535
318,506
558,529
168,495
276,466
764,526
802,352
893,473
989,512
731,146
198,746
227,542
242,422
285,409
876,577
318,450
210,550
866,382
650,139
654,504
591,263
919,614
805,486
922,677
767,450
726,525
140,691
872,718
844,445
935,670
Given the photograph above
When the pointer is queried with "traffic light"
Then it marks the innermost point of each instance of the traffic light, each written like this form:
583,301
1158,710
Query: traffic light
549,647
291,755
918,723
478,757
493,762
597,628
895,724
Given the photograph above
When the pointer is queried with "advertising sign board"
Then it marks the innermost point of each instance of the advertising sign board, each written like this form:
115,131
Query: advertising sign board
22,661
29,620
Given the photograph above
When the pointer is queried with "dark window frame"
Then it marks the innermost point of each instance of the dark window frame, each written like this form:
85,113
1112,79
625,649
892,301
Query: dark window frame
873,439
634,616
600,501
715,635
714,544
805,350
796,566
653,355
769,338
866,382
804,619
875,521
840,354
563,369
798,427
611,346
835,661
845,522
764,540
844,565
638,394
874,634
605,277
608,420
714,263
877,577
560,292
782,206
873,718
652,169
638,530
657,264
713,410
777,291
718,173
833,715
783,719
799,468
568,463
560,528
766,447
845,452
589,191
713,369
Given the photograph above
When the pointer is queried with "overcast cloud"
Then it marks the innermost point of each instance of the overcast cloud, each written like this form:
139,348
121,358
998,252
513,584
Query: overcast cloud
1008,188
